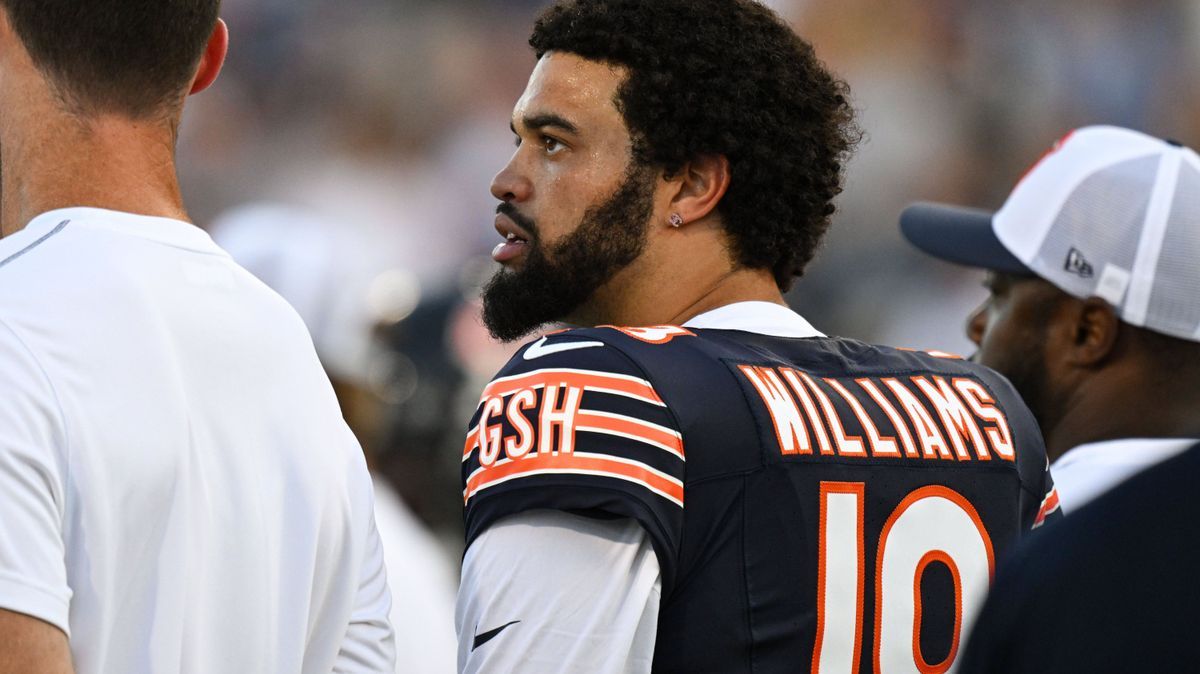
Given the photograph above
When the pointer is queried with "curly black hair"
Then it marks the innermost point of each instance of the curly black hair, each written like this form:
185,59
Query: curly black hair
724,77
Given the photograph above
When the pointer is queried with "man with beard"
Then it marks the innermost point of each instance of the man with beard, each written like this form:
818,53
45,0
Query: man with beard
1094,314
699,480
1094,311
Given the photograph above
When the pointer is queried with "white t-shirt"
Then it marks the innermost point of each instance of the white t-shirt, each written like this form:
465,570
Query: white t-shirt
1089,470
421,575
178,488
602,577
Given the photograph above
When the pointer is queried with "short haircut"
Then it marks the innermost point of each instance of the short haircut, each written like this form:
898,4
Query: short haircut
131,57
724,77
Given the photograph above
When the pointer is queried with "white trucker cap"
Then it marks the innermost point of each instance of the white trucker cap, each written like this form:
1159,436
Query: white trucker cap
1108,213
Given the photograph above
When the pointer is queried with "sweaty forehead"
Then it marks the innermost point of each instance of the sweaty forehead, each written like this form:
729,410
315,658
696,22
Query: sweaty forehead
577,89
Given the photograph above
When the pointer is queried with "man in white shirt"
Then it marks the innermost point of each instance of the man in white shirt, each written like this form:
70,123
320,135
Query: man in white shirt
1094,312
178,490
699,480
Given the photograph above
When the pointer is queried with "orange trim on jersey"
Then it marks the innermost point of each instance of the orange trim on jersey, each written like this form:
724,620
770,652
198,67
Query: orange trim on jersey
933,443
858,489
918,655
774,395
518,447
604,422
944,355
929,491
1049,505
881,445
910,448
471,442
848,445
591,380
653,334
489,437
958,421
983,405
792,377
534,464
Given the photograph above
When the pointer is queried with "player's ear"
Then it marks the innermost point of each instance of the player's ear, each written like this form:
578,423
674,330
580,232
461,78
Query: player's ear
1095,331
701,184
213,58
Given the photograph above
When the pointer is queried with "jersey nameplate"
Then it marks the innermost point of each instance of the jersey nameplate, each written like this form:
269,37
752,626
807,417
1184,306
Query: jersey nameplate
909,417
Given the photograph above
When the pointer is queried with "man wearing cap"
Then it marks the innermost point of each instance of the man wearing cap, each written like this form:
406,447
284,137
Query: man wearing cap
1094,311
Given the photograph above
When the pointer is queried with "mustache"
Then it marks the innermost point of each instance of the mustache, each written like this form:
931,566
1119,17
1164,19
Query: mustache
513,214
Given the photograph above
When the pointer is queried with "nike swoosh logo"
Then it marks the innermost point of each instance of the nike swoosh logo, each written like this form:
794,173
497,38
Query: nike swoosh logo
540,348
481,639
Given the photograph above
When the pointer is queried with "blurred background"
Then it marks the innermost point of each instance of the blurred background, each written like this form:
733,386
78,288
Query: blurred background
346,153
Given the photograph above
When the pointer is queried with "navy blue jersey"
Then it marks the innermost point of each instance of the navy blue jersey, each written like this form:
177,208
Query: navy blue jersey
816,504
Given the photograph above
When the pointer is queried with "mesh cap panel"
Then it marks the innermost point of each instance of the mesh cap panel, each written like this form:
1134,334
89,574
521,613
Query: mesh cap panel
1175,295
1094,229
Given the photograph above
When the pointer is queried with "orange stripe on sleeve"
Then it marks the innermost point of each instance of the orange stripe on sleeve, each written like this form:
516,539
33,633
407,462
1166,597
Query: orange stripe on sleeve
617,424
471,443
578,464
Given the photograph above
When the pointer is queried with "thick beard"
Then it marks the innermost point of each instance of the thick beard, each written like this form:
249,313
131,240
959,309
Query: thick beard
1025,368
552,284
1031,383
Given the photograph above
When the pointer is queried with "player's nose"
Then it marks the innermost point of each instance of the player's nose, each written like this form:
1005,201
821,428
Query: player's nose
510,184
976,323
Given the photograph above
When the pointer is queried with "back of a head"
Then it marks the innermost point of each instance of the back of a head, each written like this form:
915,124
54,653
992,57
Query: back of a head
724,77
129,57
1170,363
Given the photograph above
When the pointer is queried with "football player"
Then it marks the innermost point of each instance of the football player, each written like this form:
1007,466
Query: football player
699,480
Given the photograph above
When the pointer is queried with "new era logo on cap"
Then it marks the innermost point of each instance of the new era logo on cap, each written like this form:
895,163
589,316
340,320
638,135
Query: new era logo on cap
1077,264
1128,199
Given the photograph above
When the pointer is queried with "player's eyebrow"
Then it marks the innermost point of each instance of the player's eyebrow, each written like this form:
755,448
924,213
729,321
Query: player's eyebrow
546,120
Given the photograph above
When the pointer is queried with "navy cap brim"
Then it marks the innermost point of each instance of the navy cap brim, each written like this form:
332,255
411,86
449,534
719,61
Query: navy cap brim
960,235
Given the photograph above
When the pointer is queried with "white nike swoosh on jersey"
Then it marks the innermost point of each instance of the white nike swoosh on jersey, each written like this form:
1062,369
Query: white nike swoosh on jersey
539,348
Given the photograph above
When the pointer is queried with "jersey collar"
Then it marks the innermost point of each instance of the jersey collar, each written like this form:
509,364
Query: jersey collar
764,318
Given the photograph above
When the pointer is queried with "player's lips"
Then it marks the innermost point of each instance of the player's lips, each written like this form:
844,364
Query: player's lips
515,242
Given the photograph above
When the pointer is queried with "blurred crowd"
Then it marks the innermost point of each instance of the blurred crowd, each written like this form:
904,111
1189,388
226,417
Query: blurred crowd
346,154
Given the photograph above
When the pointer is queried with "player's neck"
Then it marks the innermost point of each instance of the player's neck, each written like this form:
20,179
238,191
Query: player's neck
741,285
672,291
1124,409
56,160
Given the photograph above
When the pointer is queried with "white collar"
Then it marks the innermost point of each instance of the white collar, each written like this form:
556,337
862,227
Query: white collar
1124,451
163,230
764,318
